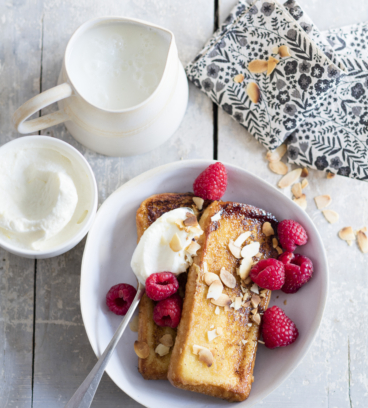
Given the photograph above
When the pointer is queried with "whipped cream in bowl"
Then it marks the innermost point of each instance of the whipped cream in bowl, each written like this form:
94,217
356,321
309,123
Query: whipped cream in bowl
167,245
48,197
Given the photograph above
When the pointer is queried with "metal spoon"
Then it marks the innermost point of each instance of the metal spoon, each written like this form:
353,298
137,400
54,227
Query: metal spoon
84,395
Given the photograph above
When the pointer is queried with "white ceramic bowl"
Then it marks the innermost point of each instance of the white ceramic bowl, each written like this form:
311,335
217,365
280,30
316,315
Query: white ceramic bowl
106,262
73,154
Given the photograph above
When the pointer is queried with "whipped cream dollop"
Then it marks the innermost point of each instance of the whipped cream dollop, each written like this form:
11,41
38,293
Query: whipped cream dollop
43,196
154,252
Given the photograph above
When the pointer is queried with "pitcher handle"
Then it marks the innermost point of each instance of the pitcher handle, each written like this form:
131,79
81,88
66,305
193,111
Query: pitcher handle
37,103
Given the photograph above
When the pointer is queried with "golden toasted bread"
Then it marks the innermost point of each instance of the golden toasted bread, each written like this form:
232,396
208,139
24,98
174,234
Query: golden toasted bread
155,367
231,374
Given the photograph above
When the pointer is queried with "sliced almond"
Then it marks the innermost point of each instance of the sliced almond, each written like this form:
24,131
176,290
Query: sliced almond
216,217
193,248
349,242
244,342
322,201
175,243
227,308
290,178
362,241
238,302
276,154
253,92
330,175
255,301
245,267
180,224
257,66
257,319
275,243
296,189
271,65
141,349
275,49
279,250
304,183
211,335
305,172
246,304
210,277
191,220
206,357
247,280
283,51
347,234
301,201
242,238
198,202
254,311
255,288
217,310
239,78
196,349
167,340
364,229
278,167
215,290
267,229
162,350
227,278
222,300
250,250
205,267
133,324
331,216
220,331
234,249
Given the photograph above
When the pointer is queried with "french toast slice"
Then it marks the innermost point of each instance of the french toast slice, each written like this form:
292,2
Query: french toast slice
155,367
234,351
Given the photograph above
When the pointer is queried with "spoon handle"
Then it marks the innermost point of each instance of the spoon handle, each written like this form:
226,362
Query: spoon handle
84,395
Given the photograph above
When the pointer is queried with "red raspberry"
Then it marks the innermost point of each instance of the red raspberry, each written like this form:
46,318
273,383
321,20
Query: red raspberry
211,183
291,234
120,297
298,271
277,329
160,286
268,274
167,312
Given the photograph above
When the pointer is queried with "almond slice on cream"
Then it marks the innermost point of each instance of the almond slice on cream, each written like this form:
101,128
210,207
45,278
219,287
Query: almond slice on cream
290,178
198,202
191,220
322,201
331,216
193,248
175,243
222,300
210,277
215,290
227,278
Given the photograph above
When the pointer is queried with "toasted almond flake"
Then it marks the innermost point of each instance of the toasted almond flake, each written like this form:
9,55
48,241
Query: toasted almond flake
275,50
217,310
179,224
198,201
301,202
275,243
349,242
261,342
244,342
257,319
193,248
222,300
238,302
250,250
285,302
216,217
255,301
331,216
210,277
254,288
175,243
362,241
278,167
245,267
220,331
227,308
234,249
163,241
267,229
253,92
322,201
196,230
167,340
258,66
290,178
242,238
247,280
162,350
253,311
206,357
258,255
205,267
364,229
133,324
262,295
276,154
330,175
227,278
296,189
284,51
239,78
191,220
279,250
211,335
304,173
141,349
271,65
246,304
304,183
196,349
215,290
347,234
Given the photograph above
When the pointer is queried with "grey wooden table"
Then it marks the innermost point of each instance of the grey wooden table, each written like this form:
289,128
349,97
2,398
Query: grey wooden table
45,351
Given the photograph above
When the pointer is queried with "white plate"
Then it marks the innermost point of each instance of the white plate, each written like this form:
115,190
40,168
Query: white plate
106,262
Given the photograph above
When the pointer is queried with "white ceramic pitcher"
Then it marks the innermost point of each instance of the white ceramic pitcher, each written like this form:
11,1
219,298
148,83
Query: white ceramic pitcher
125,132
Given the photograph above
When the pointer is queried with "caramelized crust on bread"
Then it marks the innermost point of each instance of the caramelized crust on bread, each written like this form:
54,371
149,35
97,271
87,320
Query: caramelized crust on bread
155,367
231,375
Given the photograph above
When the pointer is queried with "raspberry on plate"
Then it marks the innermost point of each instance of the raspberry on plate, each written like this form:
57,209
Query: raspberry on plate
277,329
291,234
211,183
298,271
268,274
167,312
120,297
160,286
